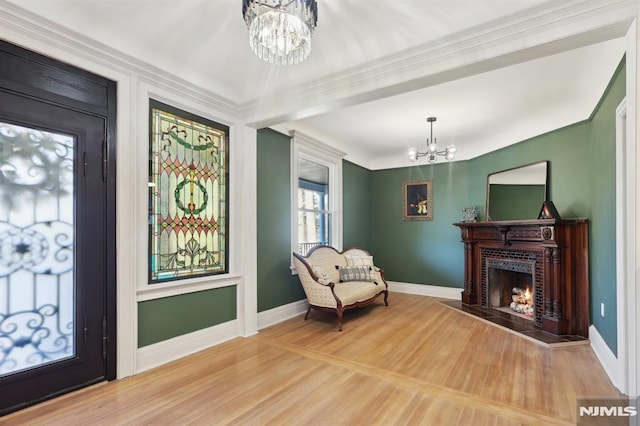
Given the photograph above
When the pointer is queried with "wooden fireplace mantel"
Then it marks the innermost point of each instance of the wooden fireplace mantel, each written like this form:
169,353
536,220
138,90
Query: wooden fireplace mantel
560,250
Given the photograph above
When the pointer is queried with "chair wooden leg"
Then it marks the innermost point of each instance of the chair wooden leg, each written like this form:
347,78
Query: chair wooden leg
386,295
339,319
307,315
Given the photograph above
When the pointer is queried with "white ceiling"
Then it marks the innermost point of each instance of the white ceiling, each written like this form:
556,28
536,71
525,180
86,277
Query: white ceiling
374,120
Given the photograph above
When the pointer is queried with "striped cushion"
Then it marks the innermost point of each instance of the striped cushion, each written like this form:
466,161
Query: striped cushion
355,273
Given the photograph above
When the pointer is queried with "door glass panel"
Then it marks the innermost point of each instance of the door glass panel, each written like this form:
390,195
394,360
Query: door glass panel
36,248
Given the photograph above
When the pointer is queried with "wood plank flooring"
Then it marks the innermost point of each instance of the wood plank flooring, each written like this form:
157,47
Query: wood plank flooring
413,362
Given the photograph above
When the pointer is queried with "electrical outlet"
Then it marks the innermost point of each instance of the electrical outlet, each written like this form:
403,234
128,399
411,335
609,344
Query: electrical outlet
602,310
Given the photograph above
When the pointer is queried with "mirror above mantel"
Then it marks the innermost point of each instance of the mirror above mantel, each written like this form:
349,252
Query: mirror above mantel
517,193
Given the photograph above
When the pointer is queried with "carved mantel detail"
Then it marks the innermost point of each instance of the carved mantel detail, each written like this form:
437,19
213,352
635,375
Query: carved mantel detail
562,250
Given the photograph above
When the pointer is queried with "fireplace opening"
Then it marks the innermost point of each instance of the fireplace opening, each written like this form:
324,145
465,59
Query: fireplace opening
512,291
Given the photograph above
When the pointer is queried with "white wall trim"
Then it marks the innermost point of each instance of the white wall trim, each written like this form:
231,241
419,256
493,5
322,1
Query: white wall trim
606,357
632,221
176,288
621,244
425,290
281,313
178,347
244,154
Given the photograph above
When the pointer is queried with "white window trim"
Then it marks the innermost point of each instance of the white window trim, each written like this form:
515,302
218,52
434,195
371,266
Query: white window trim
233,277
303,146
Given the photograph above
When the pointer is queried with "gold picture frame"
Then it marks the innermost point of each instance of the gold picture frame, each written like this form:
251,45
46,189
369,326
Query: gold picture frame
417,200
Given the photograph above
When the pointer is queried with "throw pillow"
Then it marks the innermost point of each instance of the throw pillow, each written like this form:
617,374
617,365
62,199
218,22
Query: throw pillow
359,260
355,273
323,278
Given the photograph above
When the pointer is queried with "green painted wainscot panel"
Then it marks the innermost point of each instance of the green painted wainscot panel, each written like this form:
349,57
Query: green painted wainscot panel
276,285
162,319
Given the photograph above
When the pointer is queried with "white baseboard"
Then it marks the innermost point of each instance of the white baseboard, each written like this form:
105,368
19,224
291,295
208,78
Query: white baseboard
606,357
151,356
281,313
425,290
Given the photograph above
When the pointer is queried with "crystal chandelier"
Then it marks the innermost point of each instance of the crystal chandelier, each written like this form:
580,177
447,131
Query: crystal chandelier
280,30
432,149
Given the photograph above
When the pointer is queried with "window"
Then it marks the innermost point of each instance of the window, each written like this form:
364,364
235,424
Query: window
316,194
188,182
314,216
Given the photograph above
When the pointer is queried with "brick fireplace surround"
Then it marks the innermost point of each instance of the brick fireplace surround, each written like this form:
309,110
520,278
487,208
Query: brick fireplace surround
558,251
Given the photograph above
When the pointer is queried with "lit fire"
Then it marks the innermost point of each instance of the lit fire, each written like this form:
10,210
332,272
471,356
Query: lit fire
522,301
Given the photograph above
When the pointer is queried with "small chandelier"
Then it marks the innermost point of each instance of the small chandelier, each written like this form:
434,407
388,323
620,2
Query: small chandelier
432,149
280,30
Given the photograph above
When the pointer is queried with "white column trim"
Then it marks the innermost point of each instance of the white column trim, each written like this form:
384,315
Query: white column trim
622,171
632,221
244,187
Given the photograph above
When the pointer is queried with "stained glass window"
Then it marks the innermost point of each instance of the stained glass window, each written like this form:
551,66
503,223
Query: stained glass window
188,193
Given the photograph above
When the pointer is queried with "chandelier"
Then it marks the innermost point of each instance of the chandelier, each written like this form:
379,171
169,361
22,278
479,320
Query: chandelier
280,30
432,149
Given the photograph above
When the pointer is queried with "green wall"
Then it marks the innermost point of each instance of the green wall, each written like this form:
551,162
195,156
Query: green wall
276,285
421,252
602,230
162,319
568,174
356,206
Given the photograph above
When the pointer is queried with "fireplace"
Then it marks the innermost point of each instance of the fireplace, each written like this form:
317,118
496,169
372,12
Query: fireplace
547,258
511,287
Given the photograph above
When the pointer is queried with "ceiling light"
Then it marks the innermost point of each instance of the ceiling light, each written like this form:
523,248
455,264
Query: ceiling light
280,30
432,149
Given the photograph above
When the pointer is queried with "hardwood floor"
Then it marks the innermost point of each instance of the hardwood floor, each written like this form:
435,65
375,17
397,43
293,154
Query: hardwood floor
413,362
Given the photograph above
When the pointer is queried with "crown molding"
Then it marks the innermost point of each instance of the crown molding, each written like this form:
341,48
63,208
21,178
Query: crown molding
314,144
549,28
80,49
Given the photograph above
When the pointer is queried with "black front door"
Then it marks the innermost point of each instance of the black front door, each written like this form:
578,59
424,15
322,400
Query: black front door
54,249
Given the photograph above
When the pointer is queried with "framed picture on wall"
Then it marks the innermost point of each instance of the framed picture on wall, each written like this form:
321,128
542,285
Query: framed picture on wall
417,200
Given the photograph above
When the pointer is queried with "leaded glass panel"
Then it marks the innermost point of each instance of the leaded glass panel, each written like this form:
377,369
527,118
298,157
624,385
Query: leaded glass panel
37,291
188,195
